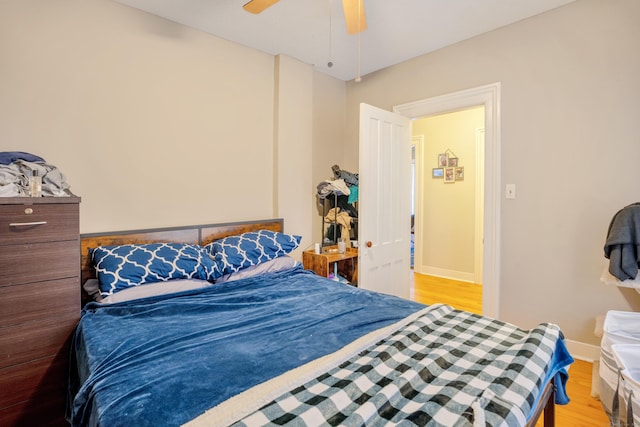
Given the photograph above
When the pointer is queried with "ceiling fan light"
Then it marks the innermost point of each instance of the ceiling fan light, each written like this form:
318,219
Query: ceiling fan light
354,16
257,6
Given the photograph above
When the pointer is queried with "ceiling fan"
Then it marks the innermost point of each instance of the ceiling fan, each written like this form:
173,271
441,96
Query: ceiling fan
353,12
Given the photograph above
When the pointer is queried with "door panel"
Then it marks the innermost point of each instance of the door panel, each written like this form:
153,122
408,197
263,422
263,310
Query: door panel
385,201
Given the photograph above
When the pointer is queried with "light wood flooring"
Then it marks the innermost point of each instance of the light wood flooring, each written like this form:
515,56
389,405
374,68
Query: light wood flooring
582,411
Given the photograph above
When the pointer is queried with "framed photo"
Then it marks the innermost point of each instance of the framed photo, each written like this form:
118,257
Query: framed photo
449,175
442,160
437,173
452,162
460,173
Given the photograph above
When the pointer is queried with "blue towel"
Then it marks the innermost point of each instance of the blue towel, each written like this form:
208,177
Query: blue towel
353,195
8,157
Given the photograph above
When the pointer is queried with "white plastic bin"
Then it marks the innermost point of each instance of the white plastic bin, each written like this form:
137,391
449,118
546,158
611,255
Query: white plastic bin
620,327
627,357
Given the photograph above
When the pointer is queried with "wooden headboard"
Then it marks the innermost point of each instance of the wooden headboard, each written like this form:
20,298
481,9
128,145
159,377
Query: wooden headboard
195,234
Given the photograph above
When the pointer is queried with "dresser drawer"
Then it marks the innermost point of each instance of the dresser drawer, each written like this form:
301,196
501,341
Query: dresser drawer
34,340
38,223
33,381
30,302
28,263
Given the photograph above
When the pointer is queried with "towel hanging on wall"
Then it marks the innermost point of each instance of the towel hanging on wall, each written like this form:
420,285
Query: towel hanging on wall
622,247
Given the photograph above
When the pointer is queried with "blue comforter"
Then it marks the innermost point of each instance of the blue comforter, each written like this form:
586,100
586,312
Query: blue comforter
162,361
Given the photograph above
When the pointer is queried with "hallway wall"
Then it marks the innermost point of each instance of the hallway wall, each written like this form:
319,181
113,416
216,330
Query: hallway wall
448,217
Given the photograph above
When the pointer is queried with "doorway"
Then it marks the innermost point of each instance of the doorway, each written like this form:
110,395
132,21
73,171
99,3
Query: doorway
449,214
447,247
489,97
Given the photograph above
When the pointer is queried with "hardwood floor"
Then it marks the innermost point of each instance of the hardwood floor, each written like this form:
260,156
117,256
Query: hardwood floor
460,295
582,411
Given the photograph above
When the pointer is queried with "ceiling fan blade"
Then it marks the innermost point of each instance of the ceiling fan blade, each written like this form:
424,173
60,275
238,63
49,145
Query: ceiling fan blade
257,6
354,16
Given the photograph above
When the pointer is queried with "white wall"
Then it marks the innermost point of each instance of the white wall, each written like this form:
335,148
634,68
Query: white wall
570,104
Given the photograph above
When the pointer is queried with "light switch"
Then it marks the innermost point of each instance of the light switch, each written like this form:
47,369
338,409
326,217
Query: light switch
511,191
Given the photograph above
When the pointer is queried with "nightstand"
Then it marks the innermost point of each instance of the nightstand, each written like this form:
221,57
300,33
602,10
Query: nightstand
324,264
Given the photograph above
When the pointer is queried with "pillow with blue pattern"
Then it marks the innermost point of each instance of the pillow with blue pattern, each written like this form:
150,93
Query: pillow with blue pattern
234,253
121,267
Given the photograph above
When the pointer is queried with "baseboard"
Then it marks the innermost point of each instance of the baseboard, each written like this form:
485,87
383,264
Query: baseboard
582,351
462,276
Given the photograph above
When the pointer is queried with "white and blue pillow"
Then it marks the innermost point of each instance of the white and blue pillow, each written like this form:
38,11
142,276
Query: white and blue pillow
124,266
235,253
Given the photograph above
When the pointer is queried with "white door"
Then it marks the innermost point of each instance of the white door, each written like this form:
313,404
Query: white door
384,211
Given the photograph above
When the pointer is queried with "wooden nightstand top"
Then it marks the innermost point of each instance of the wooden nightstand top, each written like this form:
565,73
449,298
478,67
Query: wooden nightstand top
323,263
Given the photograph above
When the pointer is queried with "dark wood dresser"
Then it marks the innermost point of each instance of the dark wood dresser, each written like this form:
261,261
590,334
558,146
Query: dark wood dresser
39,306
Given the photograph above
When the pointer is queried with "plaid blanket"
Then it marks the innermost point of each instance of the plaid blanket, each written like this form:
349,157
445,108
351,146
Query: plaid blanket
444,368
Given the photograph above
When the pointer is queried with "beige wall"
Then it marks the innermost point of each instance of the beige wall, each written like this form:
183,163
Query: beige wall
328,127
139,113
293,145
569,107
448,209
148,118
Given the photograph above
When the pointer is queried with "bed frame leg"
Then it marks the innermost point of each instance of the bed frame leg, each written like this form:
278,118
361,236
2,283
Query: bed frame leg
550,409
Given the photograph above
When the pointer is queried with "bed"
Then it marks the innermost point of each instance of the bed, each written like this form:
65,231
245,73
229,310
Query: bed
280,345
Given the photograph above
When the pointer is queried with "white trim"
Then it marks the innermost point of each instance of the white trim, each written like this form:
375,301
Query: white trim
489,96
582,351
479,208
418,141
461,276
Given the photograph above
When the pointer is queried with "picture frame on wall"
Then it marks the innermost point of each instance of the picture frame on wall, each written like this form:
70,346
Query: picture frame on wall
437,173
442,160
449,175
459,173
452,162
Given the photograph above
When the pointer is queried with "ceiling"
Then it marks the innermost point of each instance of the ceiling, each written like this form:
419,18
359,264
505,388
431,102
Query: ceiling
313,31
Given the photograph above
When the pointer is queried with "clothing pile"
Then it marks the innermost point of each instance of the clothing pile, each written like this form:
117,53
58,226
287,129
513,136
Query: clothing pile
15,169
344,183
343,189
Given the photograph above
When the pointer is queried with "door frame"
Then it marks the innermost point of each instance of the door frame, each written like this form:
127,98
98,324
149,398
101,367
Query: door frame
418,196
479,207
489,96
